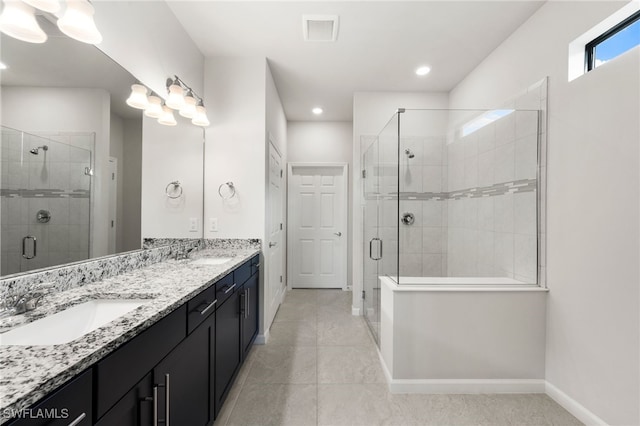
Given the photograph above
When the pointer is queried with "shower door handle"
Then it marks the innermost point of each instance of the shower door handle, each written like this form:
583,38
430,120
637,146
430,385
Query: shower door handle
24,247
379,242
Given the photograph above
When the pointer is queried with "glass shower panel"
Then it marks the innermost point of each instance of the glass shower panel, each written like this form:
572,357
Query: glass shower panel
46,215
380,214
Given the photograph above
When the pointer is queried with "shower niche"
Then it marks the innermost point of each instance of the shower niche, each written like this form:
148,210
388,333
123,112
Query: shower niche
46,199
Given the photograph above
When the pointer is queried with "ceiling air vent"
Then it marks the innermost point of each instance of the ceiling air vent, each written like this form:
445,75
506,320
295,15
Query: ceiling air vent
320,27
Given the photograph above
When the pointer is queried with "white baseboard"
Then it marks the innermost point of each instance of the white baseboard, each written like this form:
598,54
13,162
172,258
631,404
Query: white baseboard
355,311
573,406
466,386
262,339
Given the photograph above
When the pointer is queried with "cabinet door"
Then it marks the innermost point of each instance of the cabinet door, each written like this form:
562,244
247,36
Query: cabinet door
228,353
250,313
182,380
69,405
135,408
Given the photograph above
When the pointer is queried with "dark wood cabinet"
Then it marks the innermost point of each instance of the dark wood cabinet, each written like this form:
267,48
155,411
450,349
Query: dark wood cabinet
182,381
227,341
69,405
250,304
135,408
182,367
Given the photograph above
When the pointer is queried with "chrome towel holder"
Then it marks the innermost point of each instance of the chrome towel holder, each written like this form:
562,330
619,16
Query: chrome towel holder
176,192
230,191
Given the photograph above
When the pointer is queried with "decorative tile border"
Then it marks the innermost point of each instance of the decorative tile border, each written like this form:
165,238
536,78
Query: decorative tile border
45,193
516,186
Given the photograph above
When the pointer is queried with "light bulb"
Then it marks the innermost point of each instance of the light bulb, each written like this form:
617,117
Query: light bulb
188,110
167,117
176,97
138,97
154,109
18,20
200,119
77,22
51,6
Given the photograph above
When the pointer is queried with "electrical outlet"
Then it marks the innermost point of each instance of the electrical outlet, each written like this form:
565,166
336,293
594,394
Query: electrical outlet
193,224
213,224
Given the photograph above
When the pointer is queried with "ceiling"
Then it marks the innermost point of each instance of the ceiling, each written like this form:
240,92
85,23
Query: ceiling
64,62
379,46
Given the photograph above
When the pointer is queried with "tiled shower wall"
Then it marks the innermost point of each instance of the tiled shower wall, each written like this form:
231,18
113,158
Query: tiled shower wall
53,180
474,198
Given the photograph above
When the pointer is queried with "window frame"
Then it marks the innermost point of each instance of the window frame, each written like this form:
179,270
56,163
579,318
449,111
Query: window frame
590,47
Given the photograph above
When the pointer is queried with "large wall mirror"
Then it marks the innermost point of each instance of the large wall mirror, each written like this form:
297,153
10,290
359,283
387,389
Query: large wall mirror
83,174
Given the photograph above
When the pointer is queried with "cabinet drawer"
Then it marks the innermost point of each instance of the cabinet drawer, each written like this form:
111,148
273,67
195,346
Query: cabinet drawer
242,273
121,370
72,402
200,307
255,264
225,288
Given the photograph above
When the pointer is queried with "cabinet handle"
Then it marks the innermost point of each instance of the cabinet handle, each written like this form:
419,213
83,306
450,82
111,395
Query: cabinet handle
78,419
229,289
209,306
166,390
155,406
257,265
247,302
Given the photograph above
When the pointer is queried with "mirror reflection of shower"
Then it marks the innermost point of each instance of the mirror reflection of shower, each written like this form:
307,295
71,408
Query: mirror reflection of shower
409,153
36,150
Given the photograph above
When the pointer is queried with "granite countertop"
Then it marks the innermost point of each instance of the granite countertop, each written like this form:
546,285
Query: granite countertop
27,373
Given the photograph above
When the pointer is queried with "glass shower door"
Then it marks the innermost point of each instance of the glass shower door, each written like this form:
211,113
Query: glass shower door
371,236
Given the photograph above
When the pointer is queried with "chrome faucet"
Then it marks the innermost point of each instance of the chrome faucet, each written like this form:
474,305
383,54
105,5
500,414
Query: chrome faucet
26,301
184,253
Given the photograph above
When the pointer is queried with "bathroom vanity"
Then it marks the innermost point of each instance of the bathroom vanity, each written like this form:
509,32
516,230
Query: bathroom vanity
172,360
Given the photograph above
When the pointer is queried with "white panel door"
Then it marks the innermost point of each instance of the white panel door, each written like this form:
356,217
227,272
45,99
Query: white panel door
317,226
275,284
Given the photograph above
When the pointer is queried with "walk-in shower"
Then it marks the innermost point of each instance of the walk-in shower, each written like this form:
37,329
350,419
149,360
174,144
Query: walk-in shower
462,212
46,199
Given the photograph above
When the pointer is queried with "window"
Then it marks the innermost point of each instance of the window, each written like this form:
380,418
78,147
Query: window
616,41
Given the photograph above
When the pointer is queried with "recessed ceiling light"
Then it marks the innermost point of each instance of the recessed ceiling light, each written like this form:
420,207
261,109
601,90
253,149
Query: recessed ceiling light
317,110
2,66
423,70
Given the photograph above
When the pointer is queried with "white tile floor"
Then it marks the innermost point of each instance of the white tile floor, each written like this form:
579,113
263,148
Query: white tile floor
320,367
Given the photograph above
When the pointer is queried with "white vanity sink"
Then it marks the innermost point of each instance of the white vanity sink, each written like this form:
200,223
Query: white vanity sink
211,261
71,323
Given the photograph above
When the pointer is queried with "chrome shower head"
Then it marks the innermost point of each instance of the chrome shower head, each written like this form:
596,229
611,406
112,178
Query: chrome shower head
409,153
36,151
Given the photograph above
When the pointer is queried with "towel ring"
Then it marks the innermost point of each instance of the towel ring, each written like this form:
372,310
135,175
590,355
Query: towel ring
176,186
230,193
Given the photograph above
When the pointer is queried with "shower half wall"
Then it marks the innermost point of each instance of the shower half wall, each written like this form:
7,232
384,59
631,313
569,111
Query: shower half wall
451,240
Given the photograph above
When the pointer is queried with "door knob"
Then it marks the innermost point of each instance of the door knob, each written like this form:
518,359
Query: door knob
272,244
339,234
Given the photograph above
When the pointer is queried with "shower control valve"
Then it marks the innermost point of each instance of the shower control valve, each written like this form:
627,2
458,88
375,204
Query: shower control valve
407,218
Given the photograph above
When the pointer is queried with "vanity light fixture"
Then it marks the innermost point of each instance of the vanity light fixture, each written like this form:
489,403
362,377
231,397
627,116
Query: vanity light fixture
18,20
188,109
176,94
51,6
200,119
77,22
167,118
154,109
138,97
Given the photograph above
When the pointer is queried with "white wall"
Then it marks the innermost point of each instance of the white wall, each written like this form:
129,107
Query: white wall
147,40
325,142
371,112
593,187
68,110
171,154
